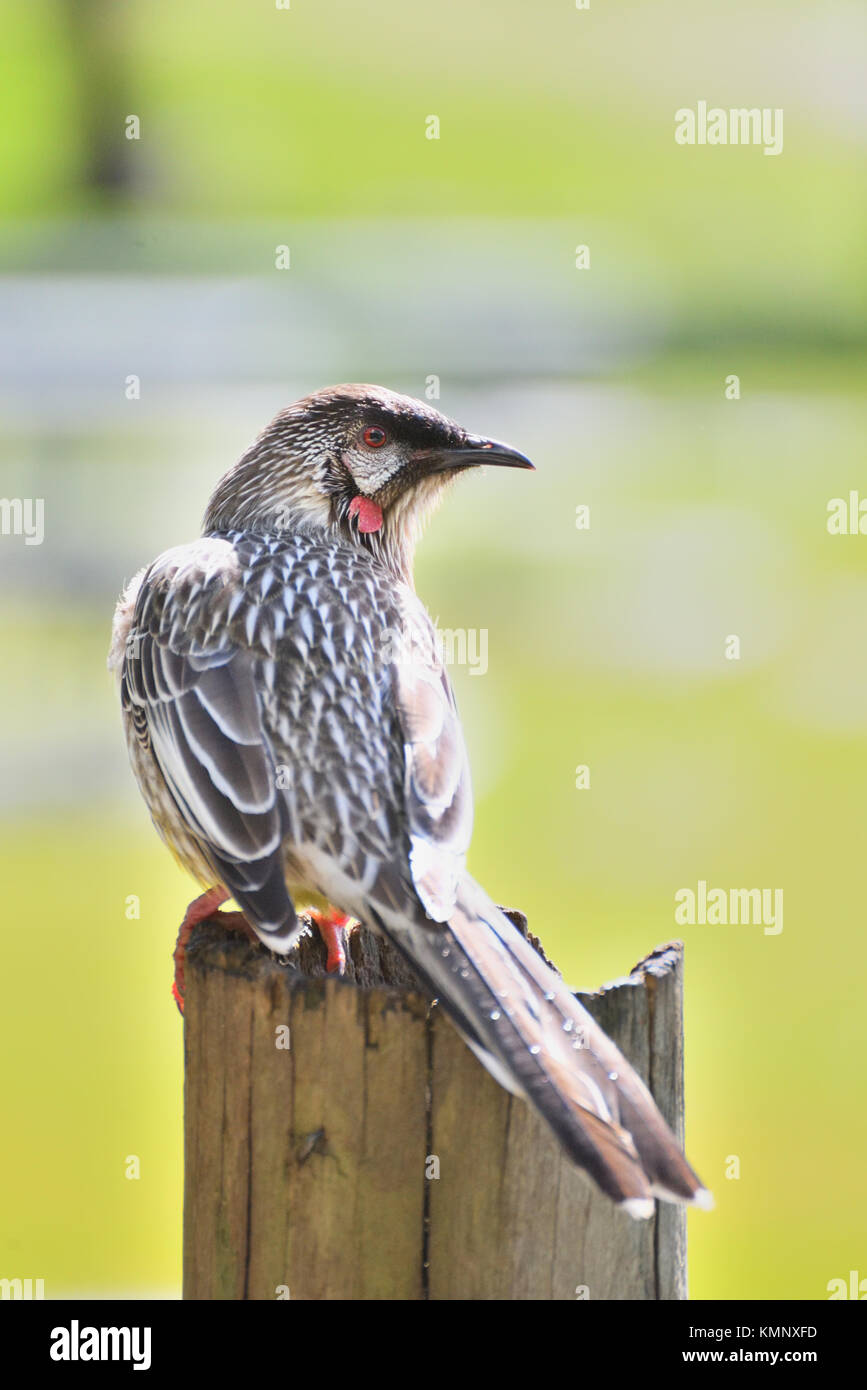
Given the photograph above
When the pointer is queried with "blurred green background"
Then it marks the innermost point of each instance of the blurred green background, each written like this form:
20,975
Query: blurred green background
456,258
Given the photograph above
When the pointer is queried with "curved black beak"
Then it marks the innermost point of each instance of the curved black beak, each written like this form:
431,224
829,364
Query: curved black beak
472,450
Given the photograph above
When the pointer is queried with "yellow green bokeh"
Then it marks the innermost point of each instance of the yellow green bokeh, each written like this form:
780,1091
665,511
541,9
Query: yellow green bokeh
605,647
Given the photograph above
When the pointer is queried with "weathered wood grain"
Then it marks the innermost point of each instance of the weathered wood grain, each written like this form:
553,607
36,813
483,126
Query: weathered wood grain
374,1158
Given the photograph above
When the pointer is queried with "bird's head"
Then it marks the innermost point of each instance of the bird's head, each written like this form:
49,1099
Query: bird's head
357,460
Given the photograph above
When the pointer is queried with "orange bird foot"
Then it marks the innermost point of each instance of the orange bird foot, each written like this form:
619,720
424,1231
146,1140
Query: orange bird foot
331,927
199,911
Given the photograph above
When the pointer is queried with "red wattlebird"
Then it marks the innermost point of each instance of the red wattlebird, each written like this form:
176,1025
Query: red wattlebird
295,736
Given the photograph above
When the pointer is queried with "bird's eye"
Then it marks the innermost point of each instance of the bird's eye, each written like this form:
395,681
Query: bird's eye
374,437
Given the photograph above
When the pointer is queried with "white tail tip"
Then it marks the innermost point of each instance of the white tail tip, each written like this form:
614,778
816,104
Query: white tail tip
703,1199
641,1208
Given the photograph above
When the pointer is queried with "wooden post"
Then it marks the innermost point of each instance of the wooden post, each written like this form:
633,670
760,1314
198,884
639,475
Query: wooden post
342,1142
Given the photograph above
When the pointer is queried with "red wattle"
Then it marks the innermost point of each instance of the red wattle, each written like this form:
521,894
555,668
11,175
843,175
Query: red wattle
369,513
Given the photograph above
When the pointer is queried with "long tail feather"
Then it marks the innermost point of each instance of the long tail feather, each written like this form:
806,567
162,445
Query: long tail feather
535,1038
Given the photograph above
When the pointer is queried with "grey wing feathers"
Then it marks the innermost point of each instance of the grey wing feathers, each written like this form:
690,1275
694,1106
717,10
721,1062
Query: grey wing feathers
198,712
437,796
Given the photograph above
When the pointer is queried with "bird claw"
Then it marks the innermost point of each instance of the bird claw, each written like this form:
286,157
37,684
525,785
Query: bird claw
332,927
200,910
285,962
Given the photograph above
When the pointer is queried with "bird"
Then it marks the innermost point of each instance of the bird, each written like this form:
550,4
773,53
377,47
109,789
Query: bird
294,733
